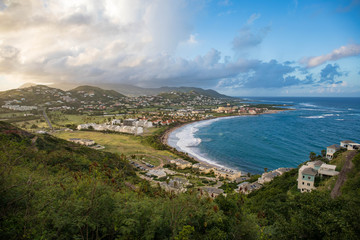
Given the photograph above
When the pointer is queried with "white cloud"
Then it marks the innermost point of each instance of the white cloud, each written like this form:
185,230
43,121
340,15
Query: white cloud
253,18
342,52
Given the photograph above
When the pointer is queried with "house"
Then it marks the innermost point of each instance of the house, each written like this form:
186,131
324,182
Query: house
180,163
306,178
267,177
308,172
330,150
130,122
353,146
247,187
345,143
328,170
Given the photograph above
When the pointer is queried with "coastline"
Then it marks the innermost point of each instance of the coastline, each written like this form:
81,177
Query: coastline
165,136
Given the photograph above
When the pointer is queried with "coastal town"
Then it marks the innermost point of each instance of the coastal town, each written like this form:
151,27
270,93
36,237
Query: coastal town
97,111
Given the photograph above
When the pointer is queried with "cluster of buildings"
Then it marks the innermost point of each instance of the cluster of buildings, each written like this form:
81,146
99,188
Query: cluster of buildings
219,172
346,144
130,126
86,142
247,187
240,110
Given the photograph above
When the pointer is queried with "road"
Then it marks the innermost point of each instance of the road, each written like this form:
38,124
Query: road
47,119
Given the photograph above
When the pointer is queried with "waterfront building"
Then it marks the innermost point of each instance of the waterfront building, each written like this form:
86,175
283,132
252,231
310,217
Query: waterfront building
330,150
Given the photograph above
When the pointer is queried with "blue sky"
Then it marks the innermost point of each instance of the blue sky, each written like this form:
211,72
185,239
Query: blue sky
240,48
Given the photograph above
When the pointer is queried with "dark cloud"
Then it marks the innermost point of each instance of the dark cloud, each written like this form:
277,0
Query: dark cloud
329,73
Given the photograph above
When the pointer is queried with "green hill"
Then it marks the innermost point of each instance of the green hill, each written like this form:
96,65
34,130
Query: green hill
97,93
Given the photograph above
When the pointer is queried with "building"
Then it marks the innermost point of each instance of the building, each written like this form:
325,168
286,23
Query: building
330,150
227,173
353,146
213,191
247,187
86,142
306,178
308,172
180,163
129,122
203,168
345,143
268,177
156,172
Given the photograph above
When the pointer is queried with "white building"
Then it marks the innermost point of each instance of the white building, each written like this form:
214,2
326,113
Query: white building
330,150
345,143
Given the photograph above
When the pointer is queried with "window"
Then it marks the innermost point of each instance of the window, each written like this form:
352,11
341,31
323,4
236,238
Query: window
303,176
303,183
308,184
309,177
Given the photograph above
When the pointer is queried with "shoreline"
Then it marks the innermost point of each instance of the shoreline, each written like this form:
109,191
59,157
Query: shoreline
165,136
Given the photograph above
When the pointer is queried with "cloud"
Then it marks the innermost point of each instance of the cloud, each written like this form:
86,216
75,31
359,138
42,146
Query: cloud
253,17
249,37
342,52
330,73
267,75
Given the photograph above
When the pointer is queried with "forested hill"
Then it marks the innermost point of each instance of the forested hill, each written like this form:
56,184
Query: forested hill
54,189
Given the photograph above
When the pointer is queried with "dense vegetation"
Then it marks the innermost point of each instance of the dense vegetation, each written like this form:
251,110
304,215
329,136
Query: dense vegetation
54,189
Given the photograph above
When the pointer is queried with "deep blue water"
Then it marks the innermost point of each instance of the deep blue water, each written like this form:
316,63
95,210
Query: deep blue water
285,139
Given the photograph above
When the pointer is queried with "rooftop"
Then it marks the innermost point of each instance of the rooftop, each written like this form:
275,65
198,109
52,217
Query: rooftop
309,171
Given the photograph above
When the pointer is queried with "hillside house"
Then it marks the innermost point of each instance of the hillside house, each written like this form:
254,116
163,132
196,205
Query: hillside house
159,173
330,150
268,177
308,172
306,178
345,143
227,173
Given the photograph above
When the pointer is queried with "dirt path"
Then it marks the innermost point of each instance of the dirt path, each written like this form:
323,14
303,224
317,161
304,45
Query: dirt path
343,174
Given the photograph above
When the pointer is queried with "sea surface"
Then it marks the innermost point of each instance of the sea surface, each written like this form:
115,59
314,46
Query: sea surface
284,139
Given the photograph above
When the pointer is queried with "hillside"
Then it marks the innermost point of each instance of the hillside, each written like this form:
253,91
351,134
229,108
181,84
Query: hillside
134,91
285,213
54,189
83,92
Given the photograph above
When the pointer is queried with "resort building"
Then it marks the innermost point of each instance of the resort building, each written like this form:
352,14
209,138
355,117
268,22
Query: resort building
180,163
203,168
227,173
330,150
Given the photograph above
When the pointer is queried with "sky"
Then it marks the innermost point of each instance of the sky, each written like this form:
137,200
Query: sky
236,47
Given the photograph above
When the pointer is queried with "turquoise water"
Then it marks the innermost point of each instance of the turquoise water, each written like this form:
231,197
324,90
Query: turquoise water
285,139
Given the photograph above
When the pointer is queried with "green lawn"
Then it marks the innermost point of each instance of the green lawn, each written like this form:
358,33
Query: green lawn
119,143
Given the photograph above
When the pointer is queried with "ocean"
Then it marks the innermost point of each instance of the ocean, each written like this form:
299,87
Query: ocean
284,139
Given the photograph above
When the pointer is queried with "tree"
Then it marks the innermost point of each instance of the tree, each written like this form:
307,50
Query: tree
312,156
265,169
323,153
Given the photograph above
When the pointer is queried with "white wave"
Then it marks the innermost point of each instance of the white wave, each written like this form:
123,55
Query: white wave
314,117
350,109
339,119
187,142
328,115
308,105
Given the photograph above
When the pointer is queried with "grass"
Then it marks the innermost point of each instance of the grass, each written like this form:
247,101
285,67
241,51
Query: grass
118,143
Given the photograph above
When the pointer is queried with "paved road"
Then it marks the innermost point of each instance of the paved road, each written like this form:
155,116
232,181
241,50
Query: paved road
47,119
